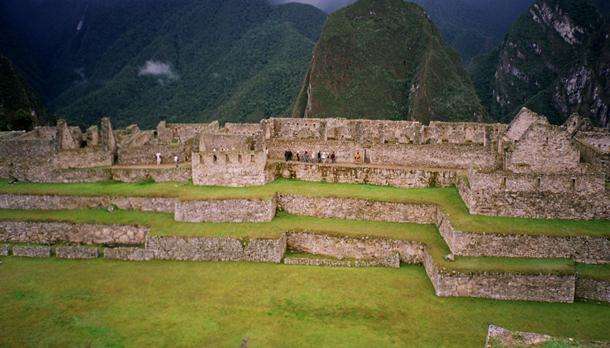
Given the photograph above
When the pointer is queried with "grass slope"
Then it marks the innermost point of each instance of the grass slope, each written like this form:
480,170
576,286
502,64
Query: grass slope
447,198
104,303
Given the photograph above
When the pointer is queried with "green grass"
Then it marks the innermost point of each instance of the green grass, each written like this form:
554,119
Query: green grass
599,272
52,302
162,224
447,198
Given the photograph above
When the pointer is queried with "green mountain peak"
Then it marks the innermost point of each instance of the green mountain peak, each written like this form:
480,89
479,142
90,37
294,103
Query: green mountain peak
385,59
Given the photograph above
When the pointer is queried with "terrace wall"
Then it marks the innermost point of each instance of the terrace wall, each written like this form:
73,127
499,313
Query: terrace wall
593,289
54,232
226,210
216,249
547,205
357,209
581,248
501,286
355,248
48,202
157,174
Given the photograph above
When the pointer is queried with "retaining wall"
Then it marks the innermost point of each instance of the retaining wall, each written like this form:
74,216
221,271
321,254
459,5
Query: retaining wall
32,251
227,210
355,248
54,232
76,252
49,202
581,248
358,209
593,289
501,286
216,249
161,174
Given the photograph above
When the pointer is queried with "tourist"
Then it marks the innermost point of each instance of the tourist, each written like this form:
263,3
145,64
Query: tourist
306,157
333,158
357,157
323,157
319,157
176,160
158,156
298,157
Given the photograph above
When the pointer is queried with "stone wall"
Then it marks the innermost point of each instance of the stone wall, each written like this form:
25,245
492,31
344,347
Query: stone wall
543,148
364,174
392,261
54,232
381,131
581,248
146,155
76,252
546,205
47,202
227,210
501,286
593,289
233,168
355,248
31,251
357,209
448,156
128,254
156,174
216,249
83,158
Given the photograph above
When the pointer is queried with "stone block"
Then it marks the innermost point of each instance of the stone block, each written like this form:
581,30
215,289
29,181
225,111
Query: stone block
32,251
128,254
76,252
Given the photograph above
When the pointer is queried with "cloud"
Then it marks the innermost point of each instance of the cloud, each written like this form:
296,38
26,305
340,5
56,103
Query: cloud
158,69
325,5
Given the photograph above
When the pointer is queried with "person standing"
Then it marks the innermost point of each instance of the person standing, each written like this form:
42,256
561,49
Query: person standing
176,160
158,157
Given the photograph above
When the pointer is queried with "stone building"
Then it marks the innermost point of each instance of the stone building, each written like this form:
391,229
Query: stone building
527,168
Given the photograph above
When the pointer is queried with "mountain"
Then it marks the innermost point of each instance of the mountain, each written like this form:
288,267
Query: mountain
555,60
180,60
474,27
385,59
20,107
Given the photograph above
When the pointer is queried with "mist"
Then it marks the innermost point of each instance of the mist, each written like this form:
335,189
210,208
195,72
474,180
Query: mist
327,6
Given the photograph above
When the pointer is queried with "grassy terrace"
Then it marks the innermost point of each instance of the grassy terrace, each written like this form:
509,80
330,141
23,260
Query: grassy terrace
447,198
164,225
62,303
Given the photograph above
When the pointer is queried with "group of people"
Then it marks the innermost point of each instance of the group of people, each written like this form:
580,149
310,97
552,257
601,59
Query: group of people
319,157
160,160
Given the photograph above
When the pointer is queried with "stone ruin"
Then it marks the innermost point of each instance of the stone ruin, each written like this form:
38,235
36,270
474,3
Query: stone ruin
528,168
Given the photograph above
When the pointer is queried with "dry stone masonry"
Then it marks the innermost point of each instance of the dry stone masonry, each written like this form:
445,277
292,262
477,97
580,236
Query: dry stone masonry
528,168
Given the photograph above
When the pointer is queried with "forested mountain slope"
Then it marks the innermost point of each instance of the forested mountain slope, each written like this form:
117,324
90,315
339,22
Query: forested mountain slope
555,60
181,60
385,59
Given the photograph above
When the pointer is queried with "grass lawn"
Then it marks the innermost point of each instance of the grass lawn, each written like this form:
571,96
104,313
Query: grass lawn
447,198
51,302
163,224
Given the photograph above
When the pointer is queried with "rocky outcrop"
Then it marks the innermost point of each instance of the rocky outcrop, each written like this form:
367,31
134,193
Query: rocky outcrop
554,60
